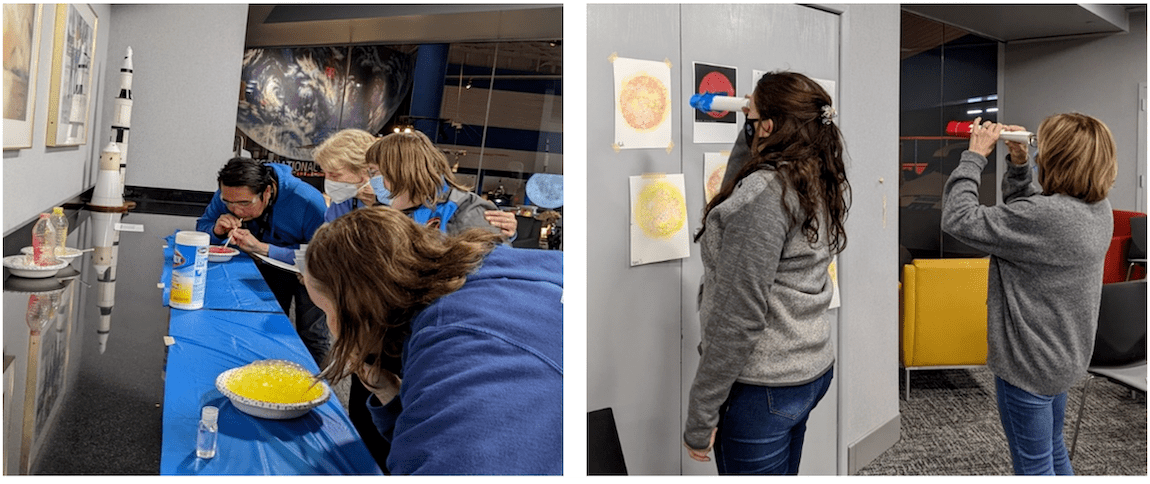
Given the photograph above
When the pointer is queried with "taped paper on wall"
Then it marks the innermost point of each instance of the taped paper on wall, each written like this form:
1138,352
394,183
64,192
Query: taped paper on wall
714,165
721,126
658,219
642,104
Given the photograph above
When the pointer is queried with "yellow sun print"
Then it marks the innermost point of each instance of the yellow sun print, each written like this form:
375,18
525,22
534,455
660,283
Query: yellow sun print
660,210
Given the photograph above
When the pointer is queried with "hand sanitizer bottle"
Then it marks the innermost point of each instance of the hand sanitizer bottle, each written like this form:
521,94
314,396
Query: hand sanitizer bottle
207,433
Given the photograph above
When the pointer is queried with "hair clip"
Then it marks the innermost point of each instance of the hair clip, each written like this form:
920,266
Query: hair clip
828,113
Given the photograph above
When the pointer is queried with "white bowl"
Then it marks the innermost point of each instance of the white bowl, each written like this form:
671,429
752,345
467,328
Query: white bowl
221,257
22,266
66,255
270,410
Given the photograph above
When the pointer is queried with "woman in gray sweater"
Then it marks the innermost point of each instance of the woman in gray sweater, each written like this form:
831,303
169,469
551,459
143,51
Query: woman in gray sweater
1047,245
766,241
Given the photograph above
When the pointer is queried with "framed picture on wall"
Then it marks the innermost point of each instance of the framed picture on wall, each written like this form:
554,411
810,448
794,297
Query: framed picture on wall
73,52
21,51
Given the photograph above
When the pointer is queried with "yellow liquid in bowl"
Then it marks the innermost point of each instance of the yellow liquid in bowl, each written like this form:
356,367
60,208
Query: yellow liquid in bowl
274,383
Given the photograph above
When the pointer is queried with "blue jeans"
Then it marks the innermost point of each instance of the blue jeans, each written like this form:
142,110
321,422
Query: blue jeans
1033,427
761,428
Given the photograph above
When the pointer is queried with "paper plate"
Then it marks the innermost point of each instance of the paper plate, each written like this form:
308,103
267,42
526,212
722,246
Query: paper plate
221,256
22,266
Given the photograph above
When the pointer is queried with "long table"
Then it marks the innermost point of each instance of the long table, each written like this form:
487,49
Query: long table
241,322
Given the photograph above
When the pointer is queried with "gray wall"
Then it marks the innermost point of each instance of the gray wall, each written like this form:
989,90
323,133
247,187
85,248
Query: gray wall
185,88
37,178
1099,76
867,366
642,326
634,315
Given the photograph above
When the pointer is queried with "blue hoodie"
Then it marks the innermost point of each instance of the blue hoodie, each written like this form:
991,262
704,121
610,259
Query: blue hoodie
482,389
290,221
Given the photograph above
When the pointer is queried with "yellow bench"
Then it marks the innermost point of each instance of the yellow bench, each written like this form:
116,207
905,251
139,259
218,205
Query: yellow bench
942,315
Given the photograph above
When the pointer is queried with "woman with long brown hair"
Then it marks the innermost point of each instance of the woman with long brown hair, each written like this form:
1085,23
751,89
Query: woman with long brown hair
767,240
477,325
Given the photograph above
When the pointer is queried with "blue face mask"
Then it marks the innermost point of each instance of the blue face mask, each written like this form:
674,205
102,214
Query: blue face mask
382,194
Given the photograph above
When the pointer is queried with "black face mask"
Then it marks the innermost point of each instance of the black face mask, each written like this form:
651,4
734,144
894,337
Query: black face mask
749,132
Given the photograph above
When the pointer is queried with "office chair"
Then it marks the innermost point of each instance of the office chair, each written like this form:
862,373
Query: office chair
527,233
1136,254
1120,342
604,451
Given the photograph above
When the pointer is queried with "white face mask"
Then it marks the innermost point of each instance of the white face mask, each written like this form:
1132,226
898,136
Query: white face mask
339,191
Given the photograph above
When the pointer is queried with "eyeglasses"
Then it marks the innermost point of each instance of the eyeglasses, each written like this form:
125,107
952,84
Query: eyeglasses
244,204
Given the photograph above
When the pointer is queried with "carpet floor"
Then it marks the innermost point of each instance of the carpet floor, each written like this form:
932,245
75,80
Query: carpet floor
950,426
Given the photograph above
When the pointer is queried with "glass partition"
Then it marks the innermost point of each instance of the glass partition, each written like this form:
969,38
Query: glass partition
947,74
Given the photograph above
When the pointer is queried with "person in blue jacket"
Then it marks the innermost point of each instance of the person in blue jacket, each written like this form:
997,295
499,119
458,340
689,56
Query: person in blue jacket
347,178
268,211
347,183
478,327
415,177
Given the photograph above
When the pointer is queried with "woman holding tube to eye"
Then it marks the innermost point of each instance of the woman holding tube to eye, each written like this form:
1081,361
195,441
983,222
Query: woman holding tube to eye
767,240
1047,245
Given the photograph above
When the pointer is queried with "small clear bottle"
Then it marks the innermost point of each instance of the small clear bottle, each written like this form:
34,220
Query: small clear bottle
60,223
207,433
44,242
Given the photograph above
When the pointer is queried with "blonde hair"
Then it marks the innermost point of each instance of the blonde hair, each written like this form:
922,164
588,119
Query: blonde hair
344,150
1076,157
377,288
413,166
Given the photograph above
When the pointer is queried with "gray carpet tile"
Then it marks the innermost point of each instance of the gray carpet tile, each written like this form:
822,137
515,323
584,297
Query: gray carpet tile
950,426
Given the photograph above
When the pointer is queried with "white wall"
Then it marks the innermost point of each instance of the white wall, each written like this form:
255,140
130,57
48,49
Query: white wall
185,88
1098,76
37,178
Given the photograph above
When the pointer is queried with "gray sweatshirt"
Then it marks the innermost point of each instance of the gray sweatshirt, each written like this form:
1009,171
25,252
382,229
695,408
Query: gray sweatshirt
1045,282
763,302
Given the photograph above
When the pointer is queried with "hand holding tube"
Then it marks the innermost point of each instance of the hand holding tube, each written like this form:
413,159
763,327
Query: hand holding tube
1018,154
983,136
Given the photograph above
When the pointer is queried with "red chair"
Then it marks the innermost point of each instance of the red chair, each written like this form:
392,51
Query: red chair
1116,266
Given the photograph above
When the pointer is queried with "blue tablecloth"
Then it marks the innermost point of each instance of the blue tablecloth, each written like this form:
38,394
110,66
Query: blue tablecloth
209,342
236,284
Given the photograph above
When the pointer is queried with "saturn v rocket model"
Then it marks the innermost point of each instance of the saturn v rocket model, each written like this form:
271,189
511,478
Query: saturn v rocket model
107,205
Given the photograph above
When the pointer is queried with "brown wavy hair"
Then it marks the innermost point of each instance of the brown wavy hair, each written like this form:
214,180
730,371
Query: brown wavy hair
1076,157
413,166
806,153
379,268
